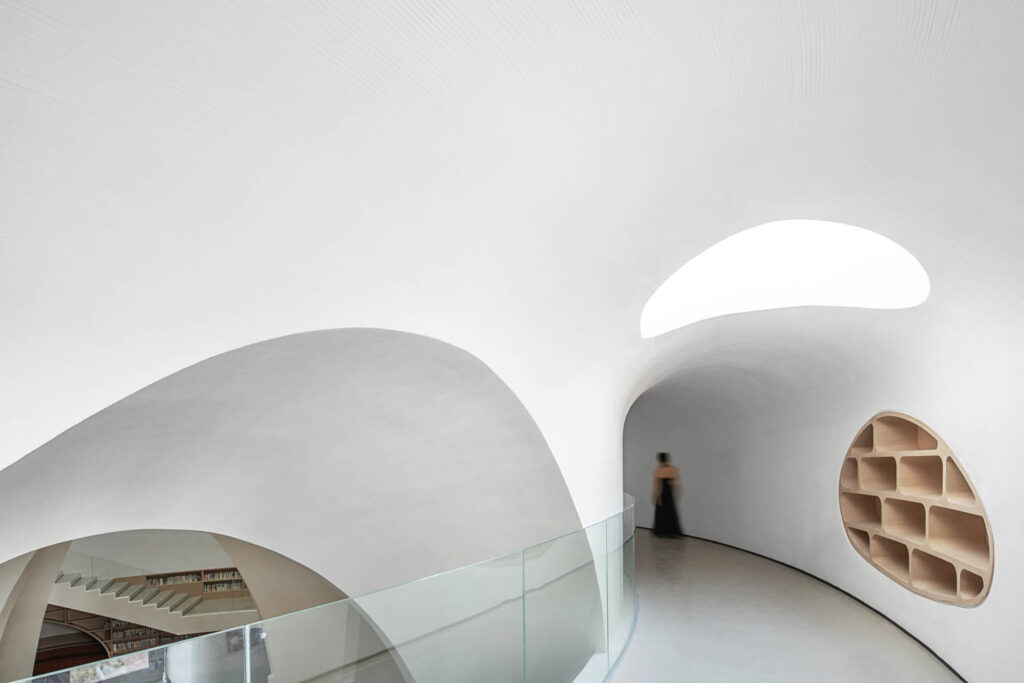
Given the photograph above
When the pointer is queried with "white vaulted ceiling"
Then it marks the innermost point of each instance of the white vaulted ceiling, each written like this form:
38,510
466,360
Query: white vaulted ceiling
178,179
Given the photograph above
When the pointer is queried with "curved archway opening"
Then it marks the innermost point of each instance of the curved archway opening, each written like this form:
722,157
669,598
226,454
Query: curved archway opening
130,594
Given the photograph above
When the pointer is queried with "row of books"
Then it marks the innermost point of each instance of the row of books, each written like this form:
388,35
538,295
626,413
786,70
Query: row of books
153,641
226,574
223,586
134,644
131,633
177,578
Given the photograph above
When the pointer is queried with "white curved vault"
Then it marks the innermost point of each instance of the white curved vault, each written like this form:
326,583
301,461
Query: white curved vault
309,445
517,179
787,263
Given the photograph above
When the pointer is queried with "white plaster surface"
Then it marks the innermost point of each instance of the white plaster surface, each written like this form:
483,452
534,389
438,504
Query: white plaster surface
711,613
371,457
513,178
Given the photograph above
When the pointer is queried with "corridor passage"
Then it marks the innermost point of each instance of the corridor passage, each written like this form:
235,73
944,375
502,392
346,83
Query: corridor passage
712,613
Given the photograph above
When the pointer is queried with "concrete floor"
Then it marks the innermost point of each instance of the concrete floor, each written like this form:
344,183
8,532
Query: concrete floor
712,613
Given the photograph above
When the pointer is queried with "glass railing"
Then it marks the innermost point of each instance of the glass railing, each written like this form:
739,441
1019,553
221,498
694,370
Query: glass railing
89,565
562,610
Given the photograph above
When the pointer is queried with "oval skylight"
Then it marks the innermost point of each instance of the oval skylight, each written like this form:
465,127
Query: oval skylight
784,264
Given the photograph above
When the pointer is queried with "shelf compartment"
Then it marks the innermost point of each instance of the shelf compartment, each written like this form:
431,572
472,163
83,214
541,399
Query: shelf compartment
959,534
848,475
904,518
878,474
858,508
957,488
897,434
921,475
932,574
865,441
971,584
859,539
892,556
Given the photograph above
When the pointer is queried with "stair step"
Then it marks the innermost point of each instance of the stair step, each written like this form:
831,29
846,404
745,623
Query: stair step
159,597
68,578
163,597
83,582
174,603
154,597
189,605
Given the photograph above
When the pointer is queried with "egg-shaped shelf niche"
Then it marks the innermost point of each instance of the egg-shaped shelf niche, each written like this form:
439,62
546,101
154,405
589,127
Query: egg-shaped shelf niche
910,510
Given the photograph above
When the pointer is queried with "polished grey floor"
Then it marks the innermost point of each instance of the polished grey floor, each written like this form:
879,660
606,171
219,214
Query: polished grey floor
712,613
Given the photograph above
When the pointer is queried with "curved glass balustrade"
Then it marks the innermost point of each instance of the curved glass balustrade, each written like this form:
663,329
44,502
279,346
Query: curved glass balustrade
562,610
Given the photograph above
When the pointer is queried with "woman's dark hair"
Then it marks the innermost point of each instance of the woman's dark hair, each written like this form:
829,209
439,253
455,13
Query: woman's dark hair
663,457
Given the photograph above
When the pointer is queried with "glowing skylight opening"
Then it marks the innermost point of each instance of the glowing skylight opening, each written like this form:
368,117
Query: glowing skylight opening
784,264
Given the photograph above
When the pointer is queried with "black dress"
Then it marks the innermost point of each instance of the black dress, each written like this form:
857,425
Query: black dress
666,520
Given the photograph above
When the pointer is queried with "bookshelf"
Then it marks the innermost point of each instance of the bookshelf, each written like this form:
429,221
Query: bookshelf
910,510
225,582
117,637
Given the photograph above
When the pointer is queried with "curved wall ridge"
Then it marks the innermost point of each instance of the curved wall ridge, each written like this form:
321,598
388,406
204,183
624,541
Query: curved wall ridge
371,456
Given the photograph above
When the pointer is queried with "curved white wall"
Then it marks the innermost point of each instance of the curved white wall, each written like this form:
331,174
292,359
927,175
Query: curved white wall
513,179
372,457
759,420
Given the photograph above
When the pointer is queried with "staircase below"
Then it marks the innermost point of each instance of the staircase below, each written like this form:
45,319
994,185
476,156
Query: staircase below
173,608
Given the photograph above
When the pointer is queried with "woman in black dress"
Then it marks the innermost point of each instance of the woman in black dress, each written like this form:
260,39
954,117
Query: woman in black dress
666,484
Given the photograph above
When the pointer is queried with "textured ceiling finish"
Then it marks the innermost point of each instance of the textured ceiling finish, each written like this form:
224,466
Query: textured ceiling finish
514,178
179,179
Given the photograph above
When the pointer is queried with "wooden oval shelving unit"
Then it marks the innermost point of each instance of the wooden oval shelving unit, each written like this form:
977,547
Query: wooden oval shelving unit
910,510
